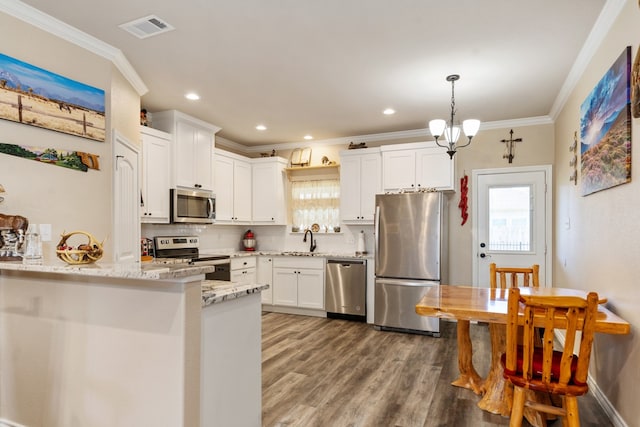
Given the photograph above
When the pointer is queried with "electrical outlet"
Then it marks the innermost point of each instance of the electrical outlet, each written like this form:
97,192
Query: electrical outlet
45,232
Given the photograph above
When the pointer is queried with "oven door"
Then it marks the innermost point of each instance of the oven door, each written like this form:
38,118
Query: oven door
222,265
192,206
222,272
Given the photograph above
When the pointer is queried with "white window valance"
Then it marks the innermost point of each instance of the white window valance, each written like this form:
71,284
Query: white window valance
316,202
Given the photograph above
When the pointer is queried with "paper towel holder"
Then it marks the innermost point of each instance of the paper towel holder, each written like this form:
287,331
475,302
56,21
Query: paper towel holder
360,247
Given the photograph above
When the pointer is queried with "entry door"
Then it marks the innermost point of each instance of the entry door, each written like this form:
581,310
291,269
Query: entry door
512,220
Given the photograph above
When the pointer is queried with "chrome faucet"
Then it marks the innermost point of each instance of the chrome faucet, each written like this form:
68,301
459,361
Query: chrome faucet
312,245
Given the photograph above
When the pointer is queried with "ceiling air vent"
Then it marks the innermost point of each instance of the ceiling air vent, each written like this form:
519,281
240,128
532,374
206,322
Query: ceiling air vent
146,27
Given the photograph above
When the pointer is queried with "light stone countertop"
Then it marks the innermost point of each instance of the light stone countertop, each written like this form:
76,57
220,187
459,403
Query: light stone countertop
213,291
237,254
144,271
216,291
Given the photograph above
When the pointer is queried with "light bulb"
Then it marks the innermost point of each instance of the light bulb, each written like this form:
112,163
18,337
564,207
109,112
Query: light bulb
436,127
471,127
451,135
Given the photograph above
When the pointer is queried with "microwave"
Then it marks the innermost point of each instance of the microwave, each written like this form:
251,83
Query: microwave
192,206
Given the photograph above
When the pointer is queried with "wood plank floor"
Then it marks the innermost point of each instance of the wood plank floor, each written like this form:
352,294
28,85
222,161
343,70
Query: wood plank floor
337,373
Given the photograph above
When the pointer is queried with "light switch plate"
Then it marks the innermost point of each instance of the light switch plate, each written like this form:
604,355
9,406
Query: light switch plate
45,232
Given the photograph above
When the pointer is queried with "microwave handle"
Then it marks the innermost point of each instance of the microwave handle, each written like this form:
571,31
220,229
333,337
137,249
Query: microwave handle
210,204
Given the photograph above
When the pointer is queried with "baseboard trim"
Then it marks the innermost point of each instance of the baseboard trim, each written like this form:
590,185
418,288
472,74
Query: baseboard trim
606,405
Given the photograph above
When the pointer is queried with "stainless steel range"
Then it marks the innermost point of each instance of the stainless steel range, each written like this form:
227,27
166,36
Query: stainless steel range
177,249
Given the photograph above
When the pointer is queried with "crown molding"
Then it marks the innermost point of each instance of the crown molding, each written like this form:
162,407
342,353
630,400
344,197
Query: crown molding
387,136
45,22
601,28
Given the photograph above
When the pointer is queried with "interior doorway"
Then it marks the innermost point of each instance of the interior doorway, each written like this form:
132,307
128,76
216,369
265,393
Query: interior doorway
511,220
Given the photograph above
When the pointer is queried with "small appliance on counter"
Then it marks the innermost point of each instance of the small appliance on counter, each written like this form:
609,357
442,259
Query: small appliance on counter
147,249
249,241
12,233
360,248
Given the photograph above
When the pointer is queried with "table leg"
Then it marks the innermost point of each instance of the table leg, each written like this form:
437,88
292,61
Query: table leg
498,396
468,378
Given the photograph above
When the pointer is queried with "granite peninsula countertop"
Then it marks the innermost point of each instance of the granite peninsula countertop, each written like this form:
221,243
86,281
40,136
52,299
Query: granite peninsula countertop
216,291
144,271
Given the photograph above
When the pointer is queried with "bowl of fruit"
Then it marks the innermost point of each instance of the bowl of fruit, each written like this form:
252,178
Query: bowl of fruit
72,252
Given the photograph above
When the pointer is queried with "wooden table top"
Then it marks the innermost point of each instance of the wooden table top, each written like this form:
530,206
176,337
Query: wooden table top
490,305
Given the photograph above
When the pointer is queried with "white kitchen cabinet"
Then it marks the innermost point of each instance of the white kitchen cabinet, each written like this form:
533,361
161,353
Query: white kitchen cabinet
298,282
269,203
243,270
416,166
155,185
126,200
194,141
232,186
285,286
264,275
360,181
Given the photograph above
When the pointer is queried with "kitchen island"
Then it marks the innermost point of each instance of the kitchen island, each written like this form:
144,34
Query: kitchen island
105,345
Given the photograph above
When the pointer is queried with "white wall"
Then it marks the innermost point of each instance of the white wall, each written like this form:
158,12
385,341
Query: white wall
596,237
68,199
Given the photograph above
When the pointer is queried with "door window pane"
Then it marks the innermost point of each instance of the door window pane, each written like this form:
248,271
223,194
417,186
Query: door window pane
510,219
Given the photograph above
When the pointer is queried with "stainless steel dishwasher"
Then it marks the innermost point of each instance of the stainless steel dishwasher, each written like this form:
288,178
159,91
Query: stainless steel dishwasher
346,289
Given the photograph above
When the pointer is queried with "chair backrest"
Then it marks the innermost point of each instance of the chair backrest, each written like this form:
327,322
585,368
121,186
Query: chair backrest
530,276
554,374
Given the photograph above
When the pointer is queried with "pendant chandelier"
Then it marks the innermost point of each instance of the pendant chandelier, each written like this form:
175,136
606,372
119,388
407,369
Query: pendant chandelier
451,131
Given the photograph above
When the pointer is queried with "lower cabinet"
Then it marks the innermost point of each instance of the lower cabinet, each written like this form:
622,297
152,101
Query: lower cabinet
243,270
298,282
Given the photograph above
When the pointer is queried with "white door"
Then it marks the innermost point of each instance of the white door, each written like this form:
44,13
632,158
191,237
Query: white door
126,201
512,220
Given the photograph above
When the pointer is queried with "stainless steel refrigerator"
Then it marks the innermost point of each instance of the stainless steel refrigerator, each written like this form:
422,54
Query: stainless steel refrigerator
411,255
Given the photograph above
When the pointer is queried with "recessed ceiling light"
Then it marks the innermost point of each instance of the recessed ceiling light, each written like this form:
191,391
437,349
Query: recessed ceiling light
261,127
192,96
308,137
389,111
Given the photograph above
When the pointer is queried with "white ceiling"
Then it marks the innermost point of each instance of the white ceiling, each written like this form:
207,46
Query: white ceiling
330,67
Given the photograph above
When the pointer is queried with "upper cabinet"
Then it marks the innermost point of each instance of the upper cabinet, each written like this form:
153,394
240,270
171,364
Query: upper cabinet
154,187
194,142
417,166
269,205
360,181
249,190
232,187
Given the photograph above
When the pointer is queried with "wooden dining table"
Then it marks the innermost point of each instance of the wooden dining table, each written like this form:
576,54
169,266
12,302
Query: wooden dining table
466,304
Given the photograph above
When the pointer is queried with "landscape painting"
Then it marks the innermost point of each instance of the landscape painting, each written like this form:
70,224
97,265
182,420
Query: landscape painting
76,160
605,130
37,97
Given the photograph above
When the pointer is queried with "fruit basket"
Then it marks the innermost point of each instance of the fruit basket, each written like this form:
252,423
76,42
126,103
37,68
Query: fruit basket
84,253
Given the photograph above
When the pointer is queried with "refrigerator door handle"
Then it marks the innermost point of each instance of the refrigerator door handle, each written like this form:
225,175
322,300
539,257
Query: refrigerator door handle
406,282
376,232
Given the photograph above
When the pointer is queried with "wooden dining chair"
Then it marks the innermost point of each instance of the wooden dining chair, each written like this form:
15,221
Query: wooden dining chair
530,276
544,369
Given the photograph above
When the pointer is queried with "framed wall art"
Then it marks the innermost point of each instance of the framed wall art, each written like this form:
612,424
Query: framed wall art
605,130
37,97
